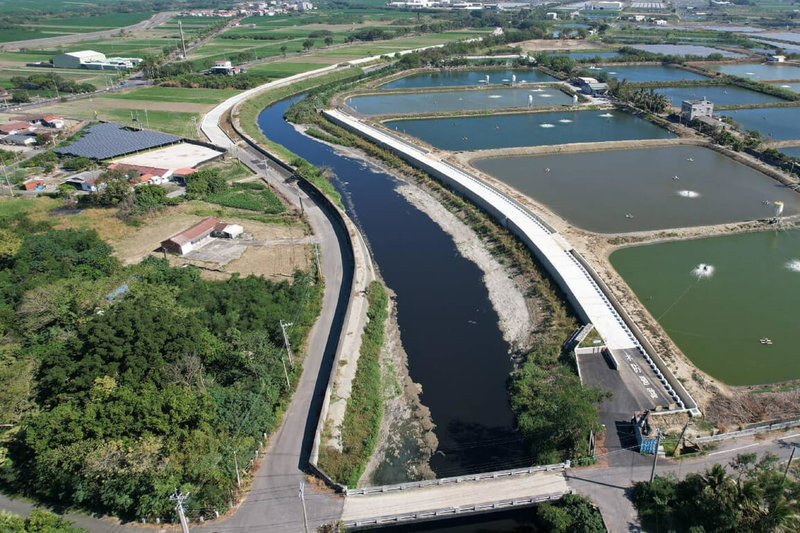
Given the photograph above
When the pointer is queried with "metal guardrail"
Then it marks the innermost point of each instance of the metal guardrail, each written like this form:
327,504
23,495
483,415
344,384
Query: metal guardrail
458,479
454,511
749,431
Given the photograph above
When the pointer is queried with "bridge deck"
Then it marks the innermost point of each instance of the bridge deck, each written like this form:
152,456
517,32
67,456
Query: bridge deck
363,507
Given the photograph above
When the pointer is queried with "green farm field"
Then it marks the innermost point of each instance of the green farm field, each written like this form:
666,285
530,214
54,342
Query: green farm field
53,27
176,94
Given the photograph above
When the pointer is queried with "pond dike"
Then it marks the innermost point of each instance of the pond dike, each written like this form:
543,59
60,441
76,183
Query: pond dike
583,288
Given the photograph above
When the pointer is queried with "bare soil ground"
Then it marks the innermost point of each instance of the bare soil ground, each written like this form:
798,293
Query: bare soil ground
277,261
535,45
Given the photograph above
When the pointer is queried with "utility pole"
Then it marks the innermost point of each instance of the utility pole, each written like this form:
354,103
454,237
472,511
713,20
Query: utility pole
236,466
180,498
303,500
655,455
285,325
786,472
286,374
183,43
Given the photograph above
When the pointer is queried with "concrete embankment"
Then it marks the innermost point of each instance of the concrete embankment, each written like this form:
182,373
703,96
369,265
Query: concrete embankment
590,301
346,359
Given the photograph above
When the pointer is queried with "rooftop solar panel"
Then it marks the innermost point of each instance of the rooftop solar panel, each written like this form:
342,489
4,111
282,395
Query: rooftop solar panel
107,140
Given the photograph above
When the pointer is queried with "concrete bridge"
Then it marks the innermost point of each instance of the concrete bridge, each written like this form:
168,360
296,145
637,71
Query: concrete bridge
583,288
447,497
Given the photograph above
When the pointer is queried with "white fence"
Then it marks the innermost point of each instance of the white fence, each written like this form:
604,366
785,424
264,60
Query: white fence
749,431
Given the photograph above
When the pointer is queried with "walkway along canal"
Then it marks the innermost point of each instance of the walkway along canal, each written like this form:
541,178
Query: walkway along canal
448,327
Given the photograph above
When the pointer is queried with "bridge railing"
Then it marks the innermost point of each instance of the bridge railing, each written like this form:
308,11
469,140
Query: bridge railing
452,511
458,479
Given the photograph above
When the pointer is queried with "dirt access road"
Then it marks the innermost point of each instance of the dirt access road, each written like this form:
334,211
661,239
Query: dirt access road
152,22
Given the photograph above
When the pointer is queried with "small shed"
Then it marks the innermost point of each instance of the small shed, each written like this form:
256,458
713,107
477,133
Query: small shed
228,231
33,184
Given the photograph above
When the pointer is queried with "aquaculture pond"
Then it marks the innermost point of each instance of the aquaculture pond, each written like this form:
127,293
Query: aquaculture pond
729,303
646,189
643,73
455,78
488,98
529,129
448,327
788,85
720,95
579,56
778,123
685,50
793,151
770,71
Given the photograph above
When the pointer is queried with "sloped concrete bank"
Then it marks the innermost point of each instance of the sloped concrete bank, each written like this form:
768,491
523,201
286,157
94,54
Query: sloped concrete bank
590,301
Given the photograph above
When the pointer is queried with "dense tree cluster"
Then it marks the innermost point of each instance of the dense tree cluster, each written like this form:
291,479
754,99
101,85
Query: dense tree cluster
753,496
50,82
122,383
647,99
39,521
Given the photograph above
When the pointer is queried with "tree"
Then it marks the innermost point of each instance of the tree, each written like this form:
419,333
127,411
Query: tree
308,44
283,50
39,521
328,41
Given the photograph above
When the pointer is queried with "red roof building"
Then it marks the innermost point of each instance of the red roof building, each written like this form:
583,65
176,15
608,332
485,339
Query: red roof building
15,127
191,238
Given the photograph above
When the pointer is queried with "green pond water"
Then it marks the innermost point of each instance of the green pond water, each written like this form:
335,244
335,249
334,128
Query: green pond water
718,314
726,95
458,100
635,190
529,129
761,72
778,123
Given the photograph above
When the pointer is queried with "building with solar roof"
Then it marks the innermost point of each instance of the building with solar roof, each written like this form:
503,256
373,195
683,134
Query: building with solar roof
107,140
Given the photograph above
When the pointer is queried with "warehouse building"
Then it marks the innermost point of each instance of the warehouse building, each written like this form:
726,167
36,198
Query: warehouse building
94,60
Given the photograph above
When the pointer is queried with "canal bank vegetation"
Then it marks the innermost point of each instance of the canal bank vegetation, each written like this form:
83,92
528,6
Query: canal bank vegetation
555,413
364,412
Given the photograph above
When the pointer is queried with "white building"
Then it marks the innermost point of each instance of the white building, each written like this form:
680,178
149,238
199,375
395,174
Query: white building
552,15
692,109
77,59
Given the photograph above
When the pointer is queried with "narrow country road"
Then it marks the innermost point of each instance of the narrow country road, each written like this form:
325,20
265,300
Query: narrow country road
152,22
608,486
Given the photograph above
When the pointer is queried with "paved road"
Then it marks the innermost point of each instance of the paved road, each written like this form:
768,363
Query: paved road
464,494
273,504
608,487
152,22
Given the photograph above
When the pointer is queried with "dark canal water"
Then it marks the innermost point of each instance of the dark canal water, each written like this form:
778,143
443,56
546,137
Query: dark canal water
447,324
516,521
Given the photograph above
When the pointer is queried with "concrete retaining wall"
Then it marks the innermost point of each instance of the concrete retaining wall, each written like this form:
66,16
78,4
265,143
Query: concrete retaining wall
363,273
474,189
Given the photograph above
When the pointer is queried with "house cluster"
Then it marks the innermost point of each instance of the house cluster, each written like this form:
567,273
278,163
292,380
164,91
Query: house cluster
92,60
443,4
200,234
134,174
22,131
253,9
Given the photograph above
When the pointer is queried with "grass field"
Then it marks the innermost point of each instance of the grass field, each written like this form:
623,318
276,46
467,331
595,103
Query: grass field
53,27
176,94
282,69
